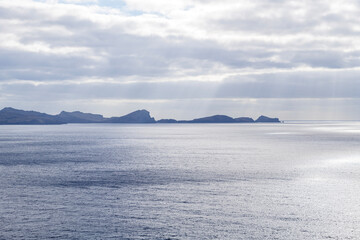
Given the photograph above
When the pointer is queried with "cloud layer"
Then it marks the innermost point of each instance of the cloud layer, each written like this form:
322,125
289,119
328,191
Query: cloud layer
196,56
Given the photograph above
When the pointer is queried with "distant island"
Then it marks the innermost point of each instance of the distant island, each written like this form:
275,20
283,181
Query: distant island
12,116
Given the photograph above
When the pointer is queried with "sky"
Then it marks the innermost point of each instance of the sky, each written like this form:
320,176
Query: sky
182,59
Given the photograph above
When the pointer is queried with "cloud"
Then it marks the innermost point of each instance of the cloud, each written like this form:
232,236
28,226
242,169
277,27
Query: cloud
287,85
171,51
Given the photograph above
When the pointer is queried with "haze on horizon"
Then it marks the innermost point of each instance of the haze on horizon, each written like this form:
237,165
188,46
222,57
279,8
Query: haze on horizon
182,59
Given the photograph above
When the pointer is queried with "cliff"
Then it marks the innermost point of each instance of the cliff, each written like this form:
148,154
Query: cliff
80,117
139,116
14,116
264,119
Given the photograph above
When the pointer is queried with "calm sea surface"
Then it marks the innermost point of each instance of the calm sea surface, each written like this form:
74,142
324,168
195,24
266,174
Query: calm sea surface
180,181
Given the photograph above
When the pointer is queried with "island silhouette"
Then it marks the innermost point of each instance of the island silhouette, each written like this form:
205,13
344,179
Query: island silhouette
13,116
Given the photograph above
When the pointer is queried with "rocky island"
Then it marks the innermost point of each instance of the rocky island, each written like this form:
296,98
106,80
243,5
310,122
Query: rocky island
14,116
139,116
11,116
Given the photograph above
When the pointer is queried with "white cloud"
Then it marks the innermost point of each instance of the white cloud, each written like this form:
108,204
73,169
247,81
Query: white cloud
269,44
158,6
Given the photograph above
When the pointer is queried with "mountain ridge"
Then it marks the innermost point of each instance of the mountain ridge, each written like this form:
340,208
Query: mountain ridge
12,116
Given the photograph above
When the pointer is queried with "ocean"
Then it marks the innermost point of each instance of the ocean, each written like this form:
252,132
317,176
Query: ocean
296,180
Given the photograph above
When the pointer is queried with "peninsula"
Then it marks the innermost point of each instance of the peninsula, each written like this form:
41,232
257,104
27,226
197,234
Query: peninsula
12,116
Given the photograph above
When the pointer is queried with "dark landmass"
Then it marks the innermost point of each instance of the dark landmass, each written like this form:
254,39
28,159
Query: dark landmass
14,116
80,117
139,116
264,119
214,119
222,119
227,119
167,121
244,120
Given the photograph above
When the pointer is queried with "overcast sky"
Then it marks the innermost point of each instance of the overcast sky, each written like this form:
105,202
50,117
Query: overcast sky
182,58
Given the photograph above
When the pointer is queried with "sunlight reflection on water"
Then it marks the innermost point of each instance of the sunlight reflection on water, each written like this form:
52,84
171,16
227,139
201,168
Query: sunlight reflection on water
180,181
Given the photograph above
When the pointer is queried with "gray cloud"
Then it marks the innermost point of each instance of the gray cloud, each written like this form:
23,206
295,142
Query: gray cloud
119,53
256,50
272,85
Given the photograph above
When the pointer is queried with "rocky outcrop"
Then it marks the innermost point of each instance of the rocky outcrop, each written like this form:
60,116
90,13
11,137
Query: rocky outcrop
214,119
14,116
244,120
219,119
264,119
80,117
167,121
139,116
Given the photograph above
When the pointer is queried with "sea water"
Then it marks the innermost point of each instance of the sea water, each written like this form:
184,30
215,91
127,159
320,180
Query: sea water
180,181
